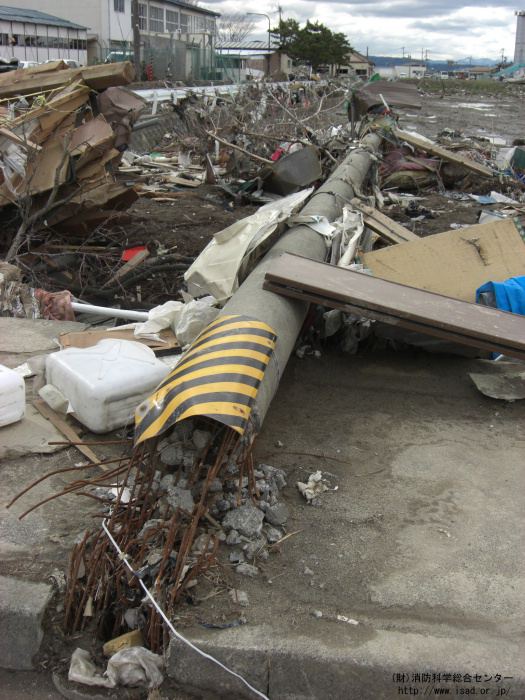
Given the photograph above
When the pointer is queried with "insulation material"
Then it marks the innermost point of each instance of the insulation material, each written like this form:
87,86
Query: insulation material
454,263
216,270
218,377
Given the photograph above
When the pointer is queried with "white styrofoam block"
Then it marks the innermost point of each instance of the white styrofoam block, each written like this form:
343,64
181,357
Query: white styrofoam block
12,396
106,382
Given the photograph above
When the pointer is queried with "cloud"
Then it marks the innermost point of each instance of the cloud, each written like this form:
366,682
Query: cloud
447,28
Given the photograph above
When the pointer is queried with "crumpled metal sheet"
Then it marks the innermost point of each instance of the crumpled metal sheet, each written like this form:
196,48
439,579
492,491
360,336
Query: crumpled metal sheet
218,377
396,94
232,253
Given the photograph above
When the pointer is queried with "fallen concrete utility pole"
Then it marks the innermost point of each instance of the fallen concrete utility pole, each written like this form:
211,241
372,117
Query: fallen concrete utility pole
286,316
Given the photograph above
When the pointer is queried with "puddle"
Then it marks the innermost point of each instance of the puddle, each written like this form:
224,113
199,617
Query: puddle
480,106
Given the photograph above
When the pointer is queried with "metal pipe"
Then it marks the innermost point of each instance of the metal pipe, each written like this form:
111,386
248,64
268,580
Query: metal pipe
286,316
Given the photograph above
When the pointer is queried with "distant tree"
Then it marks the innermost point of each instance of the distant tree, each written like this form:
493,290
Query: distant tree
314,43
234,26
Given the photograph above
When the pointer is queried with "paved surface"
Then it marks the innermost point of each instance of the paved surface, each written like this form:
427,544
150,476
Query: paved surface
421,543
27,685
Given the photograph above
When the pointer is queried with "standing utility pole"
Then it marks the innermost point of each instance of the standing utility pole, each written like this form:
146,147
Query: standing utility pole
136,37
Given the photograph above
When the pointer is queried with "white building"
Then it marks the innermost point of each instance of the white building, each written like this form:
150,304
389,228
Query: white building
182,29
31,35
403,71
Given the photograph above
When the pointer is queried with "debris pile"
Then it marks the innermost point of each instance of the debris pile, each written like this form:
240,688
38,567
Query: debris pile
191,484
168,507
63,132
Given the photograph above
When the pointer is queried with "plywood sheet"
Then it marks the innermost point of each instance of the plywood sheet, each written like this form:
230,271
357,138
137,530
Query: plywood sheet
454,263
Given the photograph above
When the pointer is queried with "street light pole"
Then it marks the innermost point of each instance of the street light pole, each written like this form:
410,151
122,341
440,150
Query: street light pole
262,14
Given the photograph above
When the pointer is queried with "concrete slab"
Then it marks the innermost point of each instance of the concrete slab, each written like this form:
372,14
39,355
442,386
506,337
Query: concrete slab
31,435
420,544
22,607
34,547
21,338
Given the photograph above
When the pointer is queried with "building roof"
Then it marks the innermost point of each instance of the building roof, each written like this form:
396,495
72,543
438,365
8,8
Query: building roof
356,57
194,8
15,14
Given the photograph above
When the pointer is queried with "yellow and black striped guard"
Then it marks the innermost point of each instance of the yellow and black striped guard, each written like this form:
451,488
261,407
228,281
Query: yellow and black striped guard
218,377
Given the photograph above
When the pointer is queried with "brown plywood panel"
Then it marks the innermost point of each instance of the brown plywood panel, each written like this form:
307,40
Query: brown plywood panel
454,263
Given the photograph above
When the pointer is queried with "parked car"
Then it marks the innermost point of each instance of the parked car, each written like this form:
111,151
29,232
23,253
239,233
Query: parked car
70,62
7,64
27,64
117,56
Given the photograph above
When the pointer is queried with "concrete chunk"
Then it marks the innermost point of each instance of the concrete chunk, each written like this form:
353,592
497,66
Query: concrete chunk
22,607
247,520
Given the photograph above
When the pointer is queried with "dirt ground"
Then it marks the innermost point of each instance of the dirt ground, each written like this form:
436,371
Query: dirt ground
190,222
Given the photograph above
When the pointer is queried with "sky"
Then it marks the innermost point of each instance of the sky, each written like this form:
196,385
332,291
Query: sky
446,29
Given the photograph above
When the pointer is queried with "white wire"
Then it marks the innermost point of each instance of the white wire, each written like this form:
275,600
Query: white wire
124,558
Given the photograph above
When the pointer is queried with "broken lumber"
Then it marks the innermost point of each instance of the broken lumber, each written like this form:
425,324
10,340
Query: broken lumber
383,225
67,431
443,153
99,77
253,156
398,305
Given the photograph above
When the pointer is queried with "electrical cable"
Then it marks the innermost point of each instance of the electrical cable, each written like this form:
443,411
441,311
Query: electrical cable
178,635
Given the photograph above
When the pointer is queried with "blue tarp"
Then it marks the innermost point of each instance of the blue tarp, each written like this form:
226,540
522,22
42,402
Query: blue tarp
509,295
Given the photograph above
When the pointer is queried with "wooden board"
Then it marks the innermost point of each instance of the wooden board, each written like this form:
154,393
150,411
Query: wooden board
85,339
398,305
436,150
383,225
63,427
454,263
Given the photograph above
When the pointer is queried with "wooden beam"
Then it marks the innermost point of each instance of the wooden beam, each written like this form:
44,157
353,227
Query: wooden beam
67,431
383,225
415,309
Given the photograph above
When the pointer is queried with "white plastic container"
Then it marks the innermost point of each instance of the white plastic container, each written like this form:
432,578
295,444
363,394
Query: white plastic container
12,396
106,382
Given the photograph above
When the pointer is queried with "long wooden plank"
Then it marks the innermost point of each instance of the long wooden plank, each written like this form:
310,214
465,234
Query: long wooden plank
96,77
443,153
399,305
383,225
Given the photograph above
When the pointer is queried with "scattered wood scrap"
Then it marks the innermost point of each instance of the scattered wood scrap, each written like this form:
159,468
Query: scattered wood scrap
67,431
28,81
64,142
415,309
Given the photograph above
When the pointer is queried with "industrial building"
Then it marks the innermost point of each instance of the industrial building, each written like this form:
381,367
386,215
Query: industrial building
32,35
